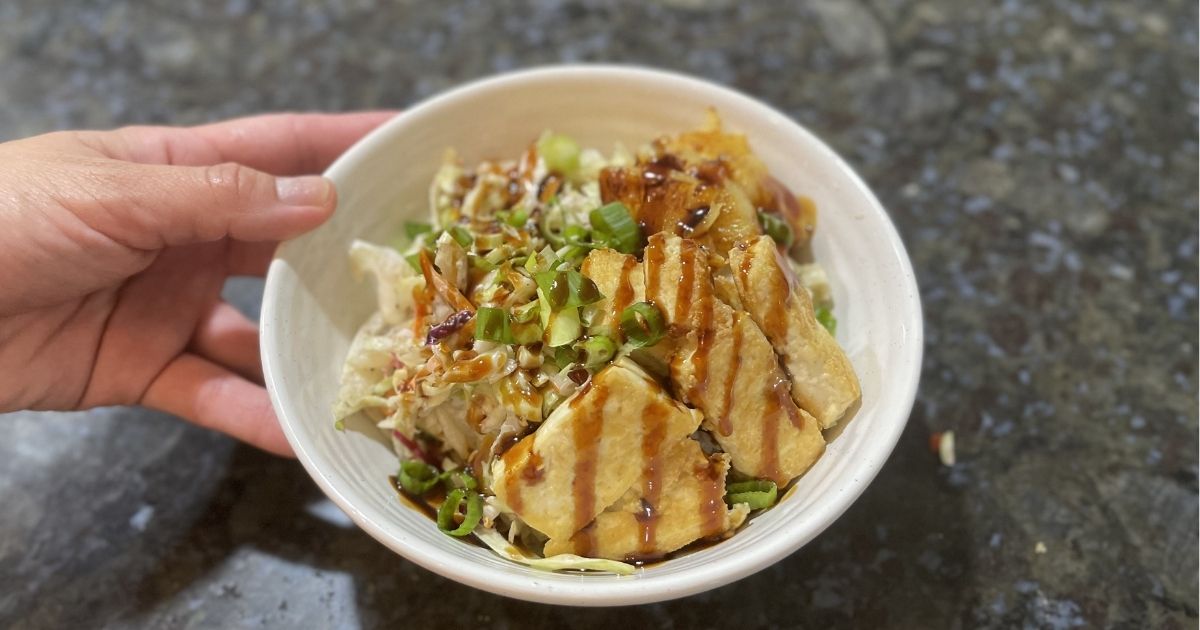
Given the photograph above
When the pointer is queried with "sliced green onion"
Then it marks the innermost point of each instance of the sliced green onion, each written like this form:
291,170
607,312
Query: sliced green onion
575,233
642,324
599,350
479,262
498,255
553,237
459,479
776,228
489,241
564,327
560,152
615,226
516,217
413,229
525,313
450,507
758,494
826,318
541,261
462,235
414,259
416,477
564,356
491,324
567,288
526,333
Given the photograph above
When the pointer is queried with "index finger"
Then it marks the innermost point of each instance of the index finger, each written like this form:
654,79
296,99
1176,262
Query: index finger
280,144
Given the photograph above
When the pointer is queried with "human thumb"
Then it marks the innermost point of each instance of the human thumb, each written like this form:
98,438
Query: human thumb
178,205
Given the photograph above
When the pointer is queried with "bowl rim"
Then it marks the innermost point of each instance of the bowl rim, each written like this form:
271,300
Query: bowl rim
618,590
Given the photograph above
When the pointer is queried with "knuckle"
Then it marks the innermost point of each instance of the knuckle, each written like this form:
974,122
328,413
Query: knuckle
230,179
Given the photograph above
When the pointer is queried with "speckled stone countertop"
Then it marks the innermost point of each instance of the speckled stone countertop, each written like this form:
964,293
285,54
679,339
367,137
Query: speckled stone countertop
1038,157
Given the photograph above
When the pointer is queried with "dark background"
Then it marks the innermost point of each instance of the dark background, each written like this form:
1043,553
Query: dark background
1038,157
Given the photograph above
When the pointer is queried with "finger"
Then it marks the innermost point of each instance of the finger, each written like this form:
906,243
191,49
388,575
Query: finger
215,398
152,206
282,144
227,338
250,259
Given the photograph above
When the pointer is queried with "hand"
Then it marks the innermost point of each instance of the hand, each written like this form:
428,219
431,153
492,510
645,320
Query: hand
114,247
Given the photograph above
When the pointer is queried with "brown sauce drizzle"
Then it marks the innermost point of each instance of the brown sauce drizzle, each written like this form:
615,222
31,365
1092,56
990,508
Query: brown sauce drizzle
421,303
693,218
623,296
532,471
783,395
585,540
703,323
653,434
515,459
744,268
769,465
477,411
775,323
687,281
548,188
655,257
725,421
587,427
470,370
668,161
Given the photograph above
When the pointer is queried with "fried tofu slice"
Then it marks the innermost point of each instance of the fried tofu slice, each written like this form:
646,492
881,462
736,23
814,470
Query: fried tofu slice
619,278
725,367
579,460
823,380
710,143
697,201
681,503
712,150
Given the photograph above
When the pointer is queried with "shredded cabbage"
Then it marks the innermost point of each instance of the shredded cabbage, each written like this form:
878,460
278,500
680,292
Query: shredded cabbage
395,280
500,545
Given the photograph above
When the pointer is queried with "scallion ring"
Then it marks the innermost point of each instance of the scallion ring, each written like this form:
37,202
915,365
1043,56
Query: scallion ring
758,494
492,324
462,235
416,477
614,224
826,319
413,229
598,350
776,228
642,324
450,507
459,478
567,288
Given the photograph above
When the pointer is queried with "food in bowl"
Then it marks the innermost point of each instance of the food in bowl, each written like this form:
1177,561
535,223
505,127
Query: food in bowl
590,361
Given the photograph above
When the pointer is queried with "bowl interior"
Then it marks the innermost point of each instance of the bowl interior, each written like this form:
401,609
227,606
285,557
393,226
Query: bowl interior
312,308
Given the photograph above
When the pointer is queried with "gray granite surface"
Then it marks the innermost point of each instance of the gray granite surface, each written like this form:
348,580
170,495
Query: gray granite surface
1038,157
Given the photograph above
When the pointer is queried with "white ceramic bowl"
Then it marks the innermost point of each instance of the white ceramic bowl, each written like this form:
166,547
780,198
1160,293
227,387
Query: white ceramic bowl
312,307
